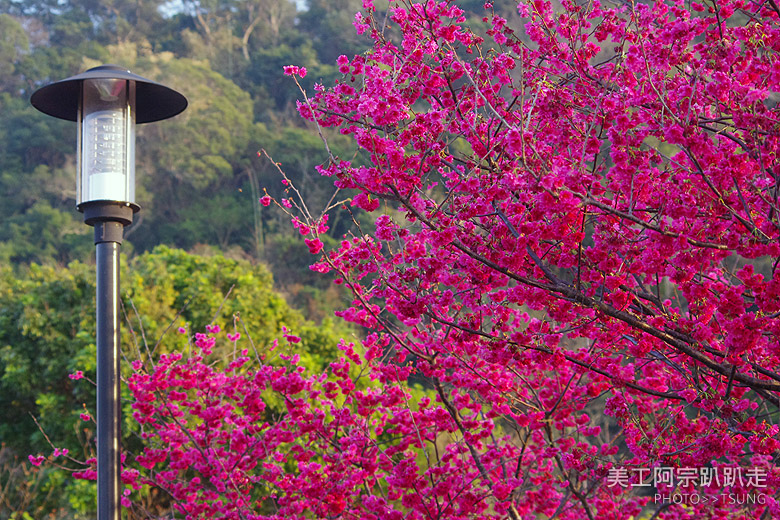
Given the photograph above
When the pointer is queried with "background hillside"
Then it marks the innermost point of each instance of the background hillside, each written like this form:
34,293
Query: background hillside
199,175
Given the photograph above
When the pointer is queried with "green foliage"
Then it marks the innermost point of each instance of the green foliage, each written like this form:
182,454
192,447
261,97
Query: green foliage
33,141
198,174
42,234
222,219
163,282
297,151
194,150
289,258
44,328
329,25
13,46
276,92
47,329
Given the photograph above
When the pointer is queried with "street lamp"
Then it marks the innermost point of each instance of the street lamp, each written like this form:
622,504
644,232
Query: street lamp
107,102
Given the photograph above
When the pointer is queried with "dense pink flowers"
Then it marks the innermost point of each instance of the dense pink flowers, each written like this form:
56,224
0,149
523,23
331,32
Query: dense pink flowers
233,439
587,207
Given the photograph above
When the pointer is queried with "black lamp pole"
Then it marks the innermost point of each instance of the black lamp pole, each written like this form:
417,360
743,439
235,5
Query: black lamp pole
108,237
107,102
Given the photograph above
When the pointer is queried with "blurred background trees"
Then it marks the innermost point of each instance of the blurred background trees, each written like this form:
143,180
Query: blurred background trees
199,173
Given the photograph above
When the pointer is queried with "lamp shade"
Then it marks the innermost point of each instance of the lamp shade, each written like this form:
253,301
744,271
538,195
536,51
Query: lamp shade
107,102
155,102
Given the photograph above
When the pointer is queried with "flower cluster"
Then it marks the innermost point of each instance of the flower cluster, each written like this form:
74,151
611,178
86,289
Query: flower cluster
253,439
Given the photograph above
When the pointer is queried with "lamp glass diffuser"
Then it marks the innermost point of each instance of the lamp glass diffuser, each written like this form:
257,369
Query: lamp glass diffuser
106,141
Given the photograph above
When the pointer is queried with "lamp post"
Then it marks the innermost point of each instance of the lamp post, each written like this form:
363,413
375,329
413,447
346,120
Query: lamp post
107,102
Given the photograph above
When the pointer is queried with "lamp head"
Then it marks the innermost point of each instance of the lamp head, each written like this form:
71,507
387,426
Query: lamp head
107,102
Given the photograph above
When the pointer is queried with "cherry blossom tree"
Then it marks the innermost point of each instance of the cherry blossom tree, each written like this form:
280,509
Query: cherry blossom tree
579,215
571,289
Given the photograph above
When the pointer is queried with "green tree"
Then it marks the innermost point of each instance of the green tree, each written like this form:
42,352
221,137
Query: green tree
273,91
13,45
41,235
47,330
37,187
224,31
328,23
198,173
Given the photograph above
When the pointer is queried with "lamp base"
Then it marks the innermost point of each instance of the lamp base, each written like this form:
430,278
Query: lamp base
108,210
109,231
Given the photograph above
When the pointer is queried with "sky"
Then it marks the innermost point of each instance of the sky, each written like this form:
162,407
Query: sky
173,6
